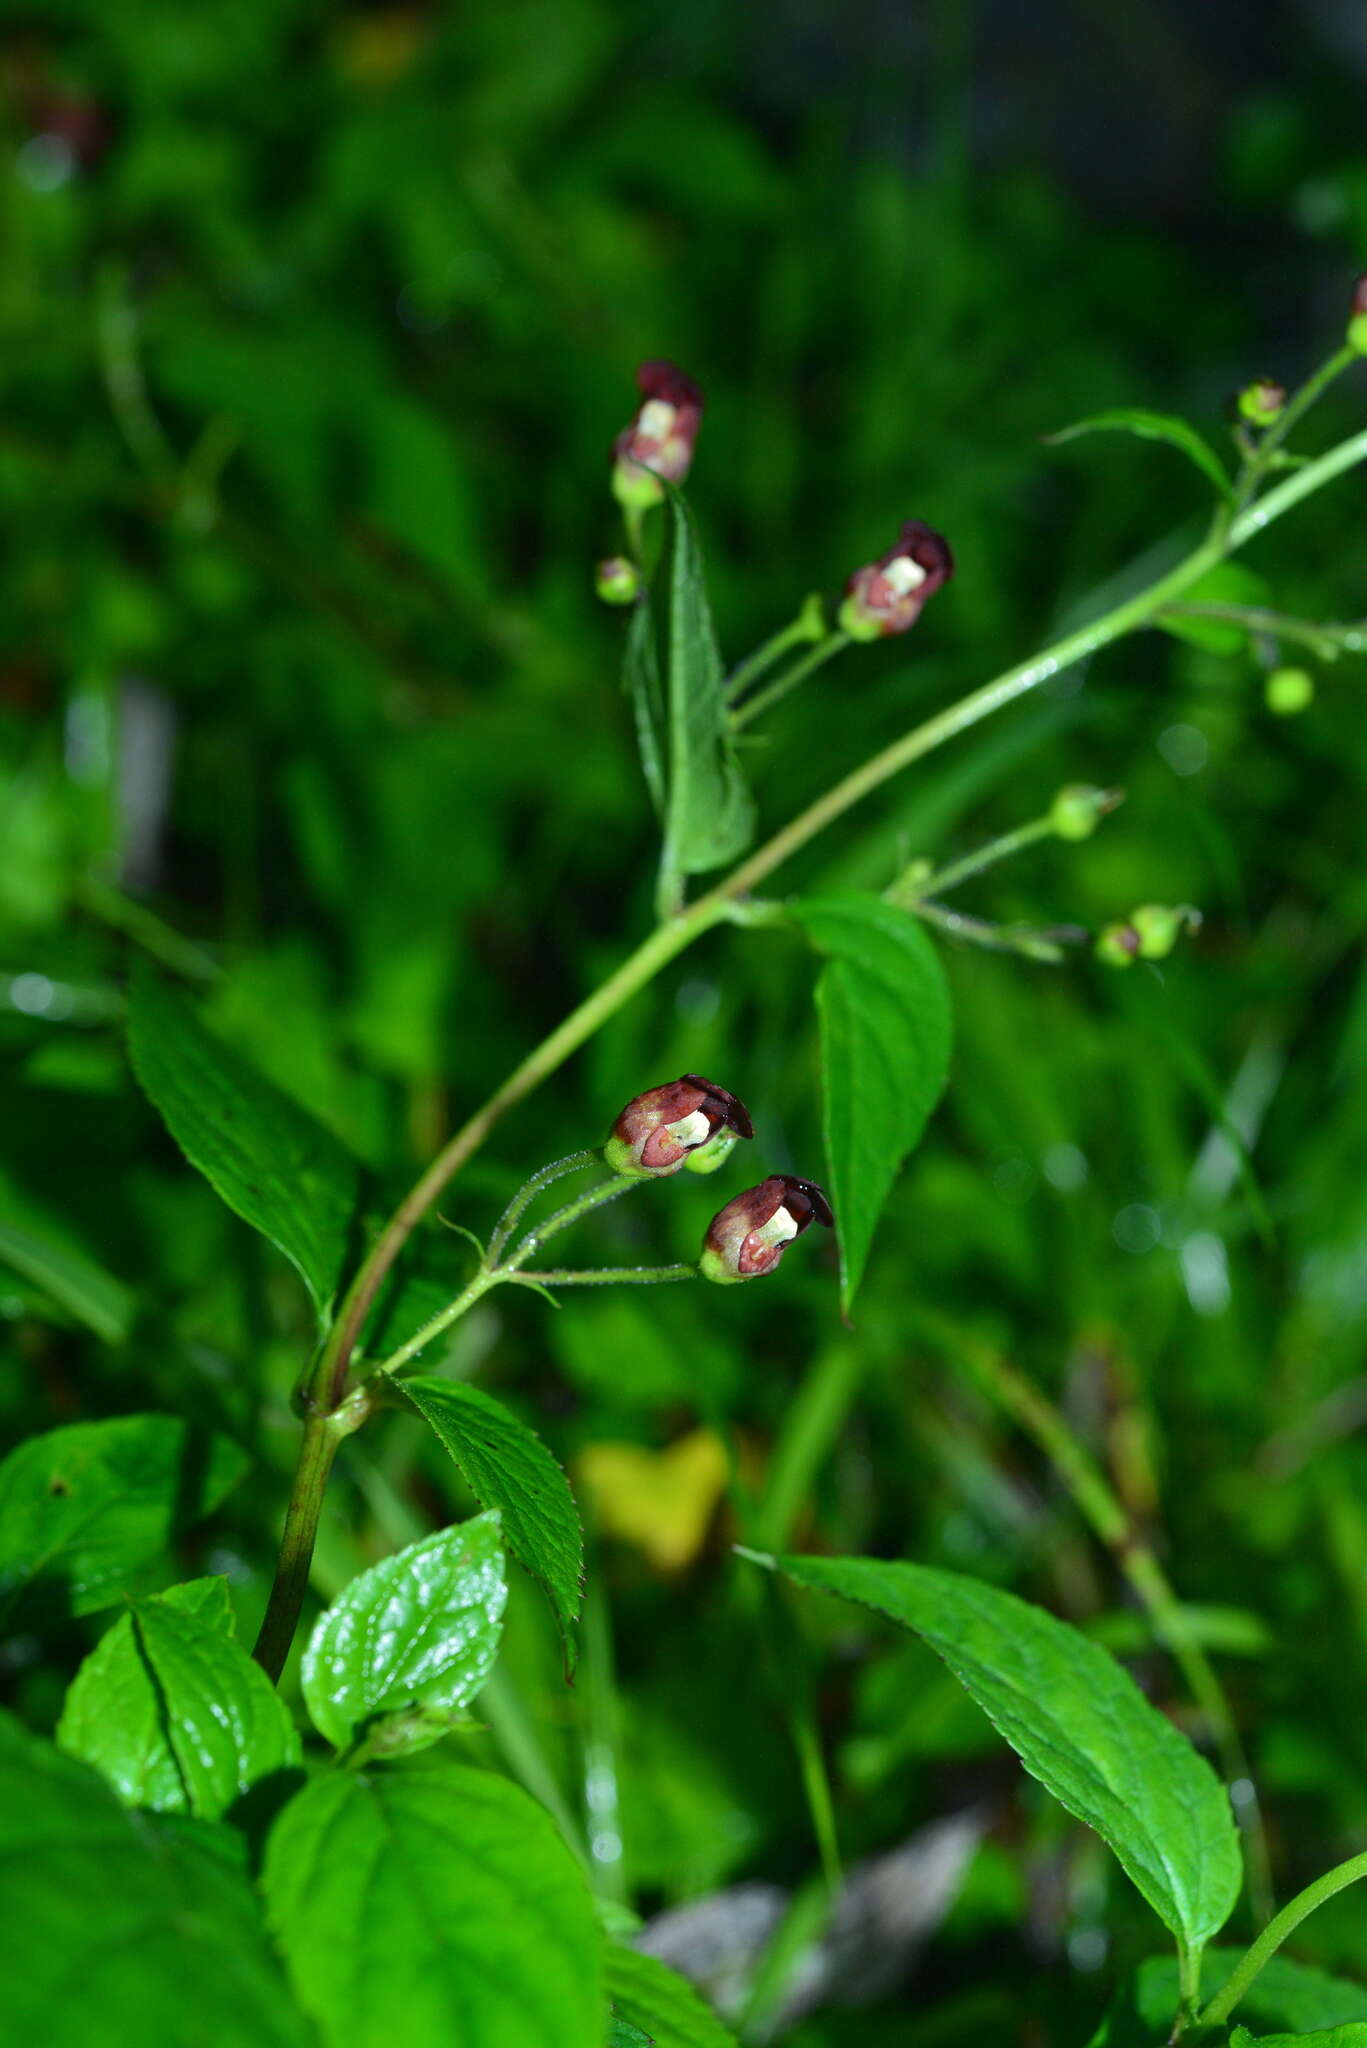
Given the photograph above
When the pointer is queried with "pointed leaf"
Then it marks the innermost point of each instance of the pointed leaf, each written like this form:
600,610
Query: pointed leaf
642,683
122,1928
1078,1723
886,1026
434,1906
176,1715
506,1466
709,815
269,1160
85,1508
419,1629
649,1995
1153,426
1352,2034
74,1282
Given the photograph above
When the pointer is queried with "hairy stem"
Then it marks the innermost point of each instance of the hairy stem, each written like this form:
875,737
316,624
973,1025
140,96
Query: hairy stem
909,893
1275,1933
574,1162
806,626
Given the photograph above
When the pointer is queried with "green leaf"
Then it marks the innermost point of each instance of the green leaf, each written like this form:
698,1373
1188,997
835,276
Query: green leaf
1352,2034
174,1714
1078,1723
1284,1994
433,1905
642,683
885,1039
1226,583
1153,426
271,1162
122,1928
506,1466
208,1598
651,1996
74,1282
621,2034
83,1509
709,816
419,1629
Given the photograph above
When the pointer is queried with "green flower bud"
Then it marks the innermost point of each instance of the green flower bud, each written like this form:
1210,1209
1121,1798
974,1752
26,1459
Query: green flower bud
1078,809
617,581
1261,402
1118,945
1288,690
1357,322
1159,927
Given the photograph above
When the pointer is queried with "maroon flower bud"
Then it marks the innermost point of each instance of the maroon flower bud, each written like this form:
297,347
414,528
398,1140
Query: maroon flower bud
659,442
750,1235
657,1131
886,596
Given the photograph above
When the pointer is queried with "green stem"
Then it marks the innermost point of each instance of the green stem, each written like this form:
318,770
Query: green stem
806,626
322,1434
1327,640
1291,414
764,699
998,938
956,871
1302,484
545,1177
1275,1933
602,1276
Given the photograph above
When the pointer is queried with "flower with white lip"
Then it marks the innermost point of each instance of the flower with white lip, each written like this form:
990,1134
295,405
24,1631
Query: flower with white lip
660,439
886,596
689,1122
750,1235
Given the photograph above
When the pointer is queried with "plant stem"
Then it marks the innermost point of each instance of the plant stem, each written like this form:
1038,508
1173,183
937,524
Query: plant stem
998,938
806,626
762,700
601,1276
1328,640
1275,1933
545,1177
956,871
322,1434
1295,409
1100,1506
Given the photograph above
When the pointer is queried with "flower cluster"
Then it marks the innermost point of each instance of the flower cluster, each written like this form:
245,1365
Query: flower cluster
1149,933
692,1123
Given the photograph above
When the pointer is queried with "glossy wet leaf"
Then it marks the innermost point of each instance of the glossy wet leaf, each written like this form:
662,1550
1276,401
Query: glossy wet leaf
85,1509
75,1283
507,1467
886,1027
1079,1724
433,1905
419,1629
268,1158
709,816
1153,426
175,1714
661,2003
126,1929
1284,1994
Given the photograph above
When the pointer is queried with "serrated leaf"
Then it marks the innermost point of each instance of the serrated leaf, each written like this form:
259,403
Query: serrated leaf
433,1905
642,683
664,2005
126,1929
1283,1994
85,1508
207,1598
886,1028
420,1629
1078,1723
709,816
73,1281
621,2034
269,1160
1153,426
506,1466
1352,2034
1226,583
174,1714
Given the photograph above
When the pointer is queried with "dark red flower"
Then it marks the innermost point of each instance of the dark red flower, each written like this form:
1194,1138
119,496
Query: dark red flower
750,1235
886,596
674,1125
1357,316
660,439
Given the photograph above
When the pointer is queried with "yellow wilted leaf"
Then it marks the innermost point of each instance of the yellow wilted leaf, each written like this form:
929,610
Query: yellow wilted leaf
661,1502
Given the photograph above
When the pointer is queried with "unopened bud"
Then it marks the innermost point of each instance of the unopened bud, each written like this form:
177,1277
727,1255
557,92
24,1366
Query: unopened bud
1261,402
1118,945
617,581
660,439
887,596
659,1132
1288,690
1357,320
1159,927
750,1235
1078,809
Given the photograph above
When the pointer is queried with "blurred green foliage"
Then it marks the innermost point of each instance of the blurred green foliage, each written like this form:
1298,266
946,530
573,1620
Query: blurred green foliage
315,328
